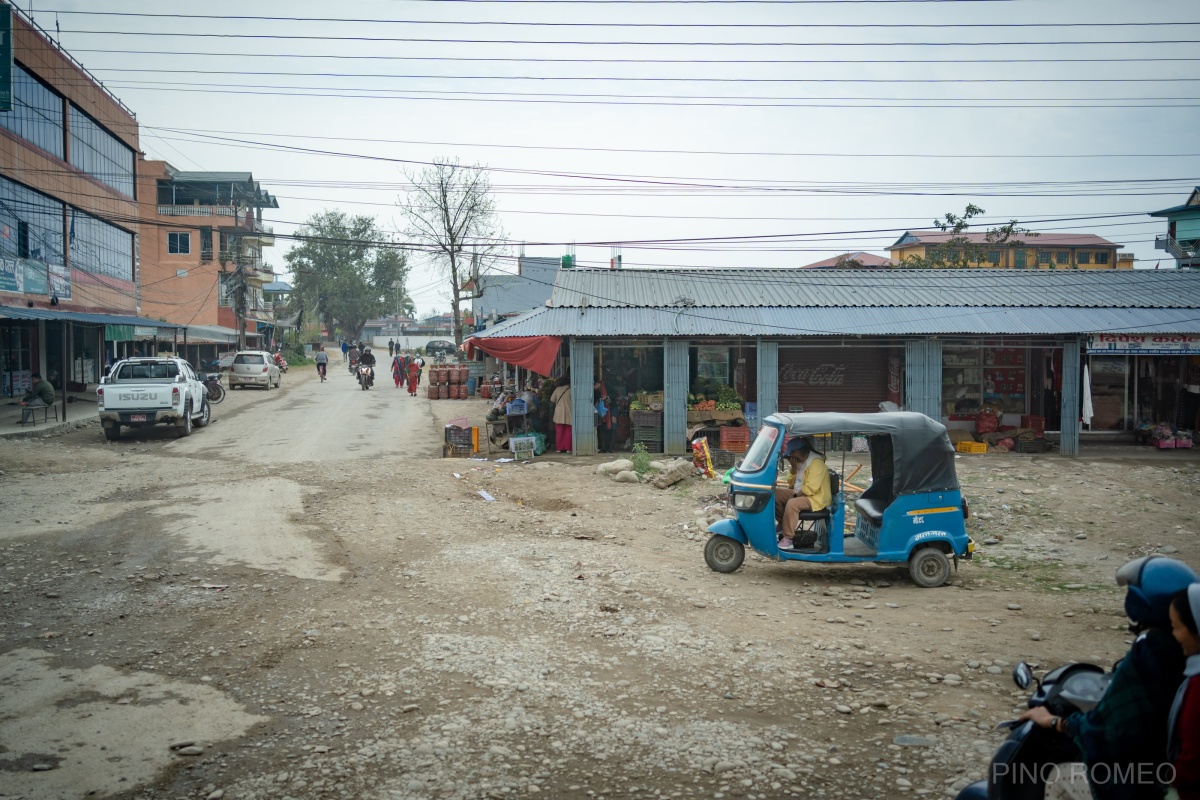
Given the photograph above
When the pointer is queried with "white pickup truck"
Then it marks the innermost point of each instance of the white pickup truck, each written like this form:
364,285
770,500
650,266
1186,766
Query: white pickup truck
139,392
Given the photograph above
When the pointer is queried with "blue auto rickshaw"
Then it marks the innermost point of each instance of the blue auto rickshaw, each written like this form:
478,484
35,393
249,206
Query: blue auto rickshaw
913,512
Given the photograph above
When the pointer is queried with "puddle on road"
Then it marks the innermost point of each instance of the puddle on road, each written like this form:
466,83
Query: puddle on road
248,523
100,730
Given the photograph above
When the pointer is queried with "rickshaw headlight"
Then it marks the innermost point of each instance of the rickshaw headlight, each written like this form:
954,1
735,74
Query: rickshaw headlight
743,502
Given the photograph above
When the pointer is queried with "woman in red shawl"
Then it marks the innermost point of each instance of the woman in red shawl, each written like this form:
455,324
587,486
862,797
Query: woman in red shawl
397,369
413,371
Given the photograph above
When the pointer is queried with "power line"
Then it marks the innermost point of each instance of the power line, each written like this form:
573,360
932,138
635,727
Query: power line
654,151
591,43
677,24
690,61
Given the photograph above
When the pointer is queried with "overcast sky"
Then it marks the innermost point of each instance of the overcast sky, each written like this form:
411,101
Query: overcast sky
618,126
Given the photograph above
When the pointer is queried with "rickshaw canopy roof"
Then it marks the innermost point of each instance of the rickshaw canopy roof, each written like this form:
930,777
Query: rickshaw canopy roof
917,452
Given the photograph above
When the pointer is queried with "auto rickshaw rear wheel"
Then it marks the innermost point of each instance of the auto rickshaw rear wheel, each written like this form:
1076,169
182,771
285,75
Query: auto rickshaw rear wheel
723,554
929,567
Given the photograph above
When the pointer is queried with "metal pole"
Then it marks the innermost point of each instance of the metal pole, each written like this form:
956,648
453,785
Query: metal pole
67,330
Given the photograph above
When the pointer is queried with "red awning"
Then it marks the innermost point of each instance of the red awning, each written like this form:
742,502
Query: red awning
536,353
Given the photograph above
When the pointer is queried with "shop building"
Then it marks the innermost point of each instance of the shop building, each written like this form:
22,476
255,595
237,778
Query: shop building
942,342
202,254
69,282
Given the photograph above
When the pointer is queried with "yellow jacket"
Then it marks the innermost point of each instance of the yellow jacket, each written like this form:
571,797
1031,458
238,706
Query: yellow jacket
814,484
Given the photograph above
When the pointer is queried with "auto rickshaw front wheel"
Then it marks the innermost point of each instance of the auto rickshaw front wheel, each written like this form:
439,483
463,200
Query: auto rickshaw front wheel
723,554
929,567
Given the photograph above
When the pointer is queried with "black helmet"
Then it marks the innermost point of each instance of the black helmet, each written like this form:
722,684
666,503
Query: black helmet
1151,581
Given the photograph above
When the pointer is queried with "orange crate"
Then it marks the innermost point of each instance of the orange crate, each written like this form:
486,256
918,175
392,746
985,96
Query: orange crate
971,447
735,440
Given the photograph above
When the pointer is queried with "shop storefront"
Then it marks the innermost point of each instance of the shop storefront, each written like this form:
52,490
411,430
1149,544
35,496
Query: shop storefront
1137,381
699,347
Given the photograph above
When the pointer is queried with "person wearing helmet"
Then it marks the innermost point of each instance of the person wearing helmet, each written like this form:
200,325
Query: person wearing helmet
1183,725
1124,737
367,359
810,489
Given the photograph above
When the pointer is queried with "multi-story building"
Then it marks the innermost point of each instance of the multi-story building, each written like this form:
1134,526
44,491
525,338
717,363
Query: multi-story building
1182,239
1045,251
68,218
202,262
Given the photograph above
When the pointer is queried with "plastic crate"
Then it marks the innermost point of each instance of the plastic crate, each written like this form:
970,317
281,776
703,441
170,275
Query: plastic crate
646,419
1032,446
971,447
515,407
457,450
1183,443
1164,444
457,435
521,444
1035,423
735,440
722,459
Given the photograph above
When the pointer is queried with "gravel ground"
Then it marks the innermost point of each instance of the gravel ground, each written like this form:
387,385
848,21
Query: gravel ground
565,640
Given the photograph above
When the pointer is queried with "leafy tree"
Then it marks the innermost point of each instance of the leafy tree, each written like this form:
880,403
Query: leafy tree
347,271
959,251
450,209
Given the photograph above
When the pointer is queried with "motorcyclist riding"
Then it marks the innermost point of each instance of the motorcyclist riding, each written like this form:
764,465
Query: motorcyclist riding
367,359
1123,739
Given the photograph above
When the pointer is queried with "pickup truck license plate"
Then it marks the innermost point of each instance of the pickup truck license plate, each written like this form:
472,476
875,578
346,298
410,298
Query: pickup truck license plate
137,417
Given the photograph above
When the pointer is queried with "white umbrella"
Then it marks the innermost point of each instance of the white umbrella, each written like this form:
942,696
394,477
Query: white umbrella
1087,397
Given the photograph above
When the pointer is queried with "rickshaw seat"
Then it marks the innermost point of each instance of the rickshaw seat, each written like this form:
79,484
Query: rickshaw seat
835,486
872,508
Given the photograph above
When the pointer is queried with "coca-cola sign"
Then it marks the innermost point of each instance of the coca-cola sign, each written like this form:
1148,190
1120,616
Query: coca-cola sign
818,375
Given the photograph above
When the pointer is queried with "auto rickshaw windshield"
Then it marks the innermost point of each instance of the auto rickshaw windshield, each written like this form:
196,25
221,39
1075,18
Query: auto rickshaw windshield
760,451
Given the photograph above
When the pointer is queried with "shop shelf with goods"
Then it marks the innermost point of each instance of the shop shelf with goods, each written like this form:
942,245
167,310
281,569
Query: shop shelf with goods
962,381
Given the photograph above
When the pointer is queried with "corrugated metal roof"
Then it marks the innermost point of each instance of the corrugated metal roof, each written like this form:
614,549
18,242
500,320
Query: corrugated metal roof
15,312
761,288
861,321
912,238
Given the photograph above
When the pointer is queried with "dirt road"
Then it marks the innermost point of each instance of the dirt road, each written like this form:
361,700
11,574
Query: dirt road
304,601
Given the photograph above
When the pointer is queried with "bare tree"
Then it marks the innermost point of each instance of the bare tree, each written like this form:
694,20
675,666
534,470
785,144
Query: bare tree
450,209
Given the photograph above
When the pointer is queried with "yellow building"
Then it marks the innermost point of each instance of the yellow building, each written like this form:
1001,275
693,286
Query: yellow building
1047,251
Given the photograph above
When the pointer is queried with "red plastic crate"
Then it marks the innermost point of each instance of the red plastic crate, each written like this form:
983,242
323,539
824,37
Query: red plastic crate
735,440
1036,423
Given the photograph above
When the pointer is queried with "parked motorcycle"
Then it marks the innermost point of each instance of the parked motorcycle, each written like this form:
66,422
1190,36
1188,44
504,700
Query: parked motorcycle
212,383
1029,755
281,362
366,377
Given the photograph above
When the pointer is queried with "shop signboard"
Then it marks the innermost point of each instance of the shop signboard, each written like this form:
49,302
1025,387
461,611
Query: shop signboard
60,282
12,275
36,281
1145,344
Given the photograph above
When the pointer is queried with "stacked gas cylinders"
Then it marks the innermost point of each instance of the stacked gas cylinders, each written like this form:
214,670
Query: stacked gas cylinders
448,382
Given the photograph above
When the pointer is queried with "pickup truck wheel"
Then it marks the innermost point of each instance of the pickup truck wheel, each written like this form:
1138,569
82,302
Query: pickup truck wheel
205,415
184,426
112,432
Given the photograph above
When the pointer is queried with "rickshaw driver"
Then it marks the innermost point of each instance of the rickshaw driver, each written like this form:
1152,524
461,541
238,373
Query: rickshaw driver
810,492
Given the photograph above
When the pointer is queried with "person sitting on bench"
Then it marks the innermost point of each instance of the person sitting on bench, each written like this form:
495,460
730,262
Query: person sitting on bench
810,491
40,395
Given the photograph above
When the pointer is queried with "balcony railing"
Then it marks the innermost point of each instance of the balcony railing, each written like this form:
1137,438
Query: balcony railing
197,211
1181,251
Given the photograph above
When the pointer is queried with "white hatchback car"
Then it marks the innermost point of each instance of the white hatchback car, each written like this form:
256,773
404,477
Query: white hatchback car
253,368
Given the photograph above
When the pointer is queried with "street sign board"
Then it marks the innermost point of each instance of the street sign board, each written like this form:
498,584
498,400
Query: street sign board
6,57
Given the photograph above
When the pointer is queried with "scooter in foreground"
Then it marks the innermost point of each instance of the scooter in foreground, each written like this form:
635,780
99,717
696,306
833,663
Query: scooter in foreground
1031,754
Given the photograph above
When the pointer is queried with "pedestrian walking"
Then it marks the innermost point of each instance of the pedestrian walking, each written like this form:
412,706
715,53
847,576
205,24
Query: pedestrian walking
397,370
420,362
345,350
414,375
561,398
391,347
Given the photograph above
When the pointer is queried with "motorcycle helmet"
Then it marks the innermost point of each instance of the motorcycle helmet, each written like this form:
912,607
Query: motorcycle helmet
1150,582
801,445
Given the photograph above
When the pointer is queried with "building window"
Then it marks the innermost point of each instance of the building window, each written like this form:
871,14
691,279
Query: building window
31,224
1062,257
1101,258
99,248
179,243
206,244
100,154
37,112
993,256
1043,257
1084,257
1019,259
